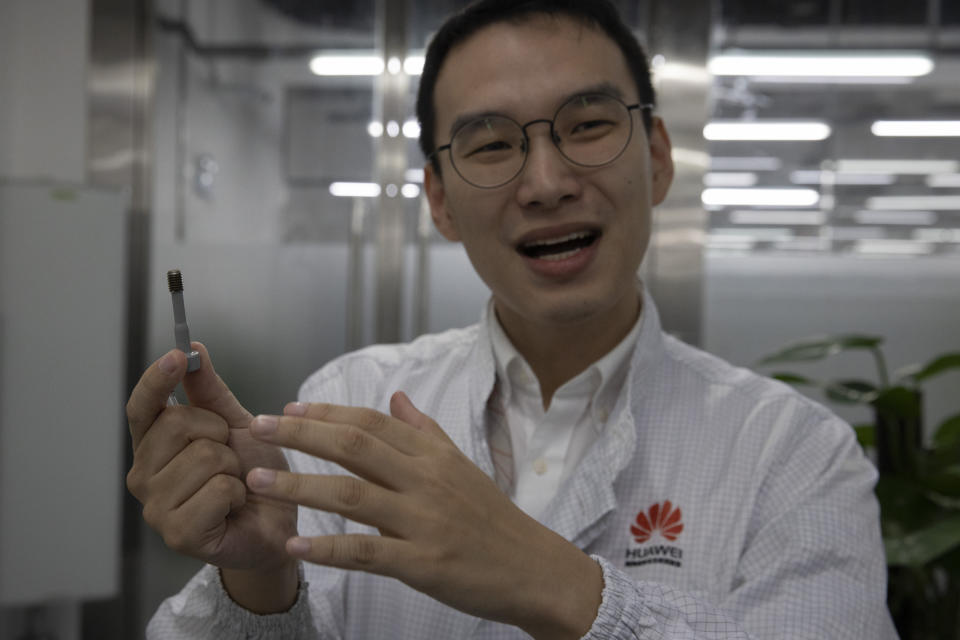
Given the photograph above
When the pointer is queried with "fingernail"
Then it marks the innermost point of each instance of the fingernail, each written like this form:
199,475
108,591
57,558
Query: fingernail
168,364
261,478
295,409
264,425
298,546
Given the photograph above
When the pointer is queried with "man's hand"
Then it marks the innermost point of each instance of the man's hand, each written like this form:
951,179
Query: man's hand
446,529
187,471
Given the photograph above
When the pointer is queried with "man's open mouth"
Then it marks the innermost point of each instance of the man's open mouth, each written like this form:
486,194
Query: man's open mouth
559,248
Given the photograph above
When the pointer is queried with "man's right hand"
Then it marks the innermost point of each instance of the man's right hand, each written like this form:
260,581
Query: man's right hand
189,466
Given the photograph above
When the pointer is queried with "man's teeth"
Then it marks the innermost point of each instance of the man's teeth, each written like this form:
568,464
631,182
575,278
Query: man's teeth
560,256
567,238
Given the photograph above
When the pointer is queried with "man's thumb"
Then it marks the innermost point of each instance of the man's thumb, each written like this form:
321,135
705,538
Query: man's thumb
402,408
205,389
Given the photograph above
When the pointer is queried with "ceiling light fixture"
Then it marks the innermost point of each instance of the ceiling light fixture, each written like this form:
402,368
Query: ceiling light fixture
824,64
916,128
908,203
760,197
766,130
355,189
897,166
347,65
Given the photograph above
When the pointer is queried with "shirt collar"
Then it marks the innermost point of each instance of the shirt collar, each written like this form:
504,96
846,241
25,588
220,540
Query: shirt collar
599,384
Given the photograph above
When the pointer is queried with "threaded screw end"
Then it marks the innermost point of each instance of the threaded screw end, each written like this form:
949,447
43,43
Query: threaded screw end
174,280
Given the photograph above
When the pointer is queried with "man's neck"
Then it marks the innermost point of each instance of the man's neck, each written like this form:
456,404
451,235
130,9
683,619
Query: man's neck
557,353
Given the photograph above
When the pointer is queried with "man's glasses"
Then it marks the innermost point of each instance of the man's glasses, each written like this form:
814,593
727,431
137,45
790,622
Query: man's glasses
589,130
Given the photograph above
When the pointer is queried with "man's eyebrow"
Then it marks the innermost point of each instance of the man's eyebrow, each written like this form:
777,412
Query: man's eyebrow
606,88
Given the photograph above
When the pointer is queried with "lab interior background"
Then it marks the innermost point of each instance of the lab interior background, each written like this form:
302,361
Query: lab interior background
226,138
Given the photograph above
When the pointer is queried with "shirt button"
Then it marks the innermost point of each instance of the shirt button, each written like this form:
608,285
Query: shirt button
540,466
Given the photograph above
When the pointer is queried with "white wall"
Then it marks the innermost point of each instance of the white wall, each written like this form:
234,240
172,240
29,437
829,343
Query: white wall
755,304
43,118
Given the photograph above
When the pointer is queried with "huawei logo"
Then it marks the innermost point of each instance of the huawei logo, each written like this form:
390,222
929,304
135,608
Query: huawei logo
663,516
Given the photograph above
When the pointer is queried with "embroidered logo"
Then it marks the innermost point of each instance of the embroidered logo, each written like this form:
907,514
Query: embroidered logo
664,517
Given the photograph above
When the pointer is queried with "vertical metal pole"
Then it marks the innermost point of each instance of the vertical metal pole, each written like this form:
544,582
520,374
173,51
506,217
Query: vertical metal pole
120,95
355,283
389,168
680,32
424,232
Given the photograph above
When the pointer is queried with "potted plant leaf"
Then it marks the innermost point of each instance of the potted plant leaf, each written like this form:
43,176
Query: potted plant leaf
919,484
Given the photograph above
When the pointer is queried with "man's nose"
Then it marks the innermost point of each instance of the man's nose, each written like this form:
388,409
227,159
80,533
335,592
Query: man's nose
547,179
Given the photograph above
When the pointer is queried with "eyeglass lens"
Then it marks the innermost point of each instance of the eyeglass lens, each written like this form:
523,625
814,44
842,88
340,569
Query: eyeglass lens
589,130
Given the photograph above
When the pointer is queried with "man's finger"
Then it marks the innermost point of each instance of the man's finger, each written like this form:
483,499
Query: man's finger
172,432
402,408
351,497
205,389
373,554
149,396
348,445
401,436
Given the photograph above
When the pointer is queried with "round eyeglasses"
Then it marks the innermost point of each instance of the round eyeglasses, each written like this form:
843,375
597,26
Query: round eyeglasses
589,130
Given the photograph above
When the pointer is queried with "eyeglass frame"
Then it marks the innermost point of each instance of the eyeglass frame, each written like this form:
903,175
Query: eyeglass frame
553,138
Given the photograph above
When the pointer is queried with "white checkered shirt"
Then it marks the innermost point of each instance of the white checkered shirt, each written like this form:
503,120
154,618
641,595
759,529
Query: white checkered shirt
771,530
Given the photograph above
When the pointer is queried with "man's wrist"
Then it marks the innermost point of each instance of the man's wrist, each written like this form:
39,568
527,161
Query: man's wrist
568,606
263,592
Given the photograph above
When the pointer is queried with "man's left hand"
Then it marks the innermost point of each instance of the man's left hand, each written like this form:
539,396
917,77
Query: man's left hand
445,527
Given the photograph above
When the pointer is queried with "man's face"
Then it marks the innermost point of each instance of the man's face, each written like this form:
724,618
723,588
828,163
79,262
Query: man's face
527,71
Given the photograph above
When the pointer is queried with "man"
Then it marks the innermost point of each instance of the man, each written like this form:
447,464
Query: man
563,469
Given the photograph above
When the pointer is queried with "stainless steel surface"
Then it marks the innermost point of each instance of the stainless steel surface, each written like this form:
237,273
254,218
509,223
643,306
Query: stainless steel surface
119,154
391,161
679,40
355,283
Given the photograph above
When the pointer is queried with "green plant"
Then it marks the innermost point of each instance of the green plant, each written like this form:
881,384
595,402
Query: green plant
919,484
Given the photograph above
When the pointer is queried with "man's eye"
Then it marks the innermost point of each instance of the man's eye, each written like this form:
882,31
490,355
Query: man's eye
491,147
592,127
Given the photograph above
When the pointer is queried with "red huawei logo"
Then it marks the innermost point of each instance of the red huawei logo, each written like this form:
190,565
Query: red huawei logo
664,517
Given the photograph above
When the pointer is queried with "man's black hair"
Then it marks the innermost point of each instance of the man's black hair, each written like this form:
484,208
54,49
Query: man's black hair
599,14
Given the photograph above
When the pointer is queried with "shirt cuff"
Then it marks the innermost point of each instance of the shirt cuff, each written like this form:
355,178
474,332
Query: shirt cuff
236,622
620,614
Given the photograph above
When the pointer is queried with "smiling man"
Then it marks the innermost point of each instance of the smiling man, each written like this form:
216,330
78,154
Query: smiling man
563,469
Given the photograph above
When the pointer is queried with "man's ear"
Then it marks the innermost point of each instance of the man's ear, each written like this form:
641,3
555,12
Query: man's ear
661,161
437,197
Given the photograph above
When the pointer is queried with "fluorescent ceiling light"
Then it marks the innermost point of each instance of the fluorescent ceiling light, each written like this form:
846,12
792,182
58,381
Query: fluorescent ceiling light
844,80
910,218
812,243
413,65
375,129
893,247
937,235
355,189
786,218
346,65
730,179
835,177
692,157
368,63
760,197
413,175
410,190
907,203
746,163
916,128
680,72
944,180
824,64
857,233
768,130
899,167
757,233
411,129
